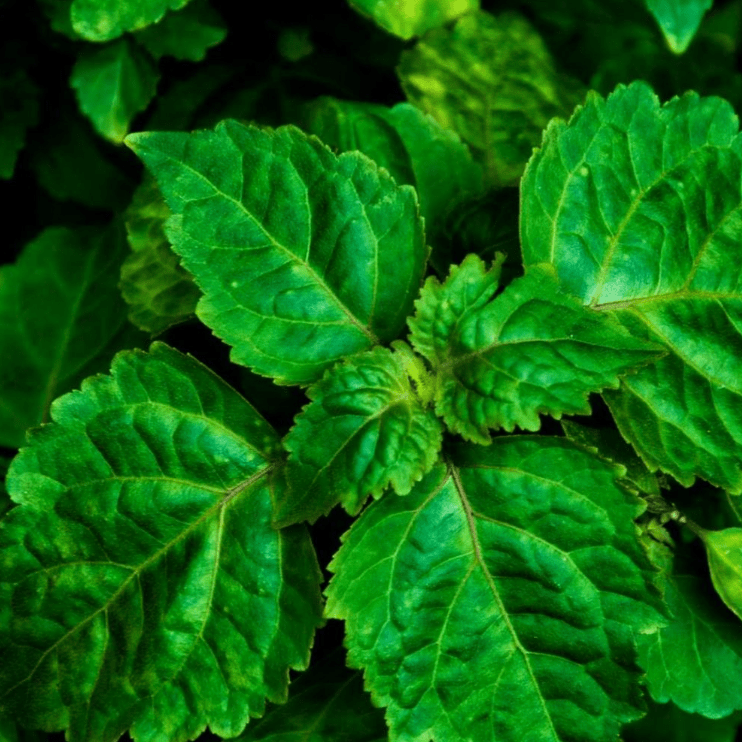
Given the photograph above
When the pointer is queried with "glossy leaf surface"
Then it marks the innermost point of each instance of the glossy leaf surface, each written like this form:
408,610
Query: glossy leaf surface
149,590
502,362
679,20
103,20
639,208
497,601
364,429
304,258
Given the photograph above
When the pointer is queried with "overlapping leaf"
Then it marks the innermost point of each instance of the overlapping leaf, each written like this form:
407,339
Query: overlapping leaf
159,291
103,20
639,208
61,319
408,18
149,589
304,258
679,20
499,598
365,429
500,363
491,80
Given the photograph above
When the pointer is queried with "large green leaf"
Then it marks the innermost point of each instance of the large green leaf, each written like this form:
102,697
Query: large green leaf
304,258
149,589
103,20
412,146
639,208
501,363
326,704
364,429
492,80
499,599
158,290
113,83
408,18
61,319
19,110
679,20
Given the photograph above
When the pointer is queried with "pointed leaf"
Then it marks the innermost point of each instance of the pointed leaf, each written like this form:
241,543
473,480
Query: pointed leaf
492,80
19,110
638,207
724,552
186,34
113,83
158,290
497,601
103,20
532,350
149,589
61,319
364,429
304,258
679,20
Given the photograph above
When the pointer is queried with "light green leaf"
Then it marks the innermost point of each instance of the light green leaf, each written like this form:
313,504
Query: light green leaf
112,84
408,18
696,660
492,81
187,34
150,591
364,429
498,600
724,553
61,319
532,350
103,20
326,704
639,208
412,146
19,110
679,20
158,290
304,258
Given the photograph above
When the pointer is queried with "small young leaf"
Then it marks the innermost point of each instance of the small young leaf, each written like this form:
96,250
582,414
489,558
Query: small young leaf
364,429
679,20
304,258
491,80
113,83
498,600
532,350
408,18
103,20
149,589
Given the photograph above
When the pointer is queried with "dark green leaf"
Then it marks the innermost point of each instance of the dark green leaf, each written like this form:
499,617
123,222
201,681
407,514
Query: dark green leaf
19,110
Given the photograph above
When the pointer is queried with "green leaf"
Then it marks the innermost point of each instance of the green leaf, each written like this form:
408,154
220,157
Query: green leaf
413,147
103,20
326,704
679,20
364,429
498,600
408,18
532,350
158,290
491,80
5,501
696,660
150,591
113,83
304,258
724,552
61,319
19,110
11,732
638,208
187,34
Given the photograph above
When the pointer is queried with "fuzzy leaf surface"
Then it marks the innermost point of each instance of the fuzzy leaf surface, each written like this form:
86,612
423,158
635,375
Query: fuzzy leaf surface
158,290
679,20
149,589
492,81
112,84
364,429
61,319
304,258
497,601
533,349
408,18
103,20
639,208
